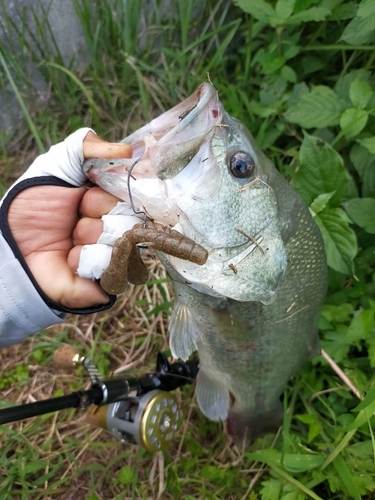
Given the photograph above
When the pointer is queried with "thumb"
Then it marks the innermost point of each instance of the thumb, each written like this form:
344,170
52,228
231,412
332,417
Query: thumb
95,147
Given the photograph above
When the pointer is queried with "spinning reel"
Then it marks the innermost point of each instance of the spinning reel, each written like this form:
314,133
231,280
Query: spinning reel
138,411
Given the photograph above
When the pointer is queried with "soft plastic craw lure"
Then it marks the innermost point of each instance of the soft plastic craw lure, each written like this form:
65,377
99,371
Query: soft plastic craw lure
126,265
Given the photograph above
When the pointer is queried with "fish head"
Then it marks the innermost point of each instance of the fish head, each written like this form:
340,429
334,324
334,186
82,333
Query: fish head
200,171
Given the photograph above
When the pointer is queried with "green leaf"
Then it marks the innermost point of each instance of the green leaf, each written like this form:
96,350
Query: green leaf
360,326
364,163
360,30
353,121
320,108
290,51
368,399
363,415
361,450
299,90
335,345
289,74
370,344
362,212
345,11
361,158
295,462
314,14
210,471
343,84
300,462
262,111
35,466
321,171
338,314
304,5
125,475
368,143
38,355
291,492
320,203
273,458
346,477
339,239
366,8
271,489
284,8
360,93
273,91
311,64
271,63
315,426
257,8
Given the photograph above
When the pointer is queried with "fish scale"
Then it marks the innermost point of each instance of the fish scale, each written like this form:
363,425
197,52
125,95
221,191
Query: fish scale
252,309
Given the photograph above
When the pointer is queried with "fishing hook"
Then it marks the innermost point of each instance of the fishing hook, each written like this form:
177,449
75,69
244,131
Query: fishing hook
131,197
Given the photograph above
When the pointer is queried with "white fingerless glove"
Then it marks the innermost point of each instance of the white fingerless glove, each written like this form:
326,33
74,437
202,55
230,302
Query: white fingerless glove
24,308
63,161
95,258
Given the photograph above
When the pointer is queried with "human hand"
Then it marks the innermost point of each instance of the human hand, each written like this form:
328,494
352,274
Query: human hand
50,224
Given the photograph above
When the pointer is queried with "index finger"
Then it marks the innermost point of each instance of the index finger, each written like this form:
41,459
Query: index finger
95,147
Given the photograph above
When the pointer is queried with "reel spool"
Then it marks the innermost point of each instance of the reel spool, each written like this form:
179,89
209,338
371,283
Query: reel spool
149,421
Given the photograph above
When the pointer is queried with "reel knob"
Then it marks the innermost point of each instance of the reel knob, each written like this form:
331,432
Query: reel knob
150,421
67,356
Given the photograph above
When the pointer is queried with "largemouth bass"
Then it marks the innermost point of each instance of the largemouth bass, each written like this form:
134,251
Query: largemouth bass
252,309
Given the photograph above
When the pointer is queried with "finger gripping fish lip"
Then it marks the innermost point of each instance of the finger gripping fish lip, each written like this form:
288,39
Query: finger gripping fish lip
126,264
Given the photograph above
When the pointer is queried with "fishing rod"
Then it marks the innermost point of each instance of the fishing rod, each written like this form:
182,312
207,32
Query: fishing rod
139,411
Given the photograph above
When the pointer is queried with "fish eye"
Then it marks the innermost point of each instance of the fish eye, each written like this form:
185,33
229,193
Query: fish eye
241,165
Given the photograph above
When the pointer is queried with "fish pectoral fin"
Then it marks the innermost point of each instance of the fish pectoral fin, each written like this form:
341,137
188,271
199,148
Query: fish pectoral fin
184,331
213,398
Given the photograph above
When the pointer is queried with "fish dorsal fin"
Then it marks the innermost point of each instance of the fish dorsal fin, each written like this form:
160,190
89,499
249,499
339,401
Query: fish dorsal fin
184,331
213,397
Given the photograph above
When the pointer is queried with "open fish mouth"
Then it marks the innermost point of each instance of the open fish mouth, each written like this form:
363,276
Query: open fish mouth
161,150
168,143
172,140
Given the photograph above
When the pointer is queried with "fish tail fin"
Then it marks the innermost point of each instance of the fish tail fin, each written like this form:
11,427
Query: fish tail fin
245,427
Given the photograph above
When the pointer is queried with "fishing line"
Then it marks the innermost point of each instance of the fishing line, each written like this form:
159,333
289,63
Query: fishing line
175,375
131,197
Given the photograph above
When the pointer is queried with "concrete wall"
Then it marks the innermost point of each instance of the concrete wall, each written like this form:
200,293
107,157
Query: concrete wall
61,17
64,23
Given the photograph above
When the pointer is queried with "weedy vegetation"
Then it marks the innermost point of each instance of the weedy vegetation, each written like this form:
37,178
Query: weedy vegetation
300,75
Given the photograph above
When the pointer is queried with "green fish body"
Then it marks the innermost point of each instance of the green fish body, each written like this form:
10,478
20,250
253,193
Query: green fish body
252,310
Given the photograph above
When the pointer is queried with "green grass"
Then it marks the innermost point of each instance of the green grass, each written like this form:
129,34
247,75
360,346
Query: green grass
267,69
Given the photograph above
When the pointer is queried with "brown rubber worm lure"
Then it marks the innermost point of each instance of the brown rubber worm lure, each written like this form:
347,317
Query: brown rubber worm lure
126,265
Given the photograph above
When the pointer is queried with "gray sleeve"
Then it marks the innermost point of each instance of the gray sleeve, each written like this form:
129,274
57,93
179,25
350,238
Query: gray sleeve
22,310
